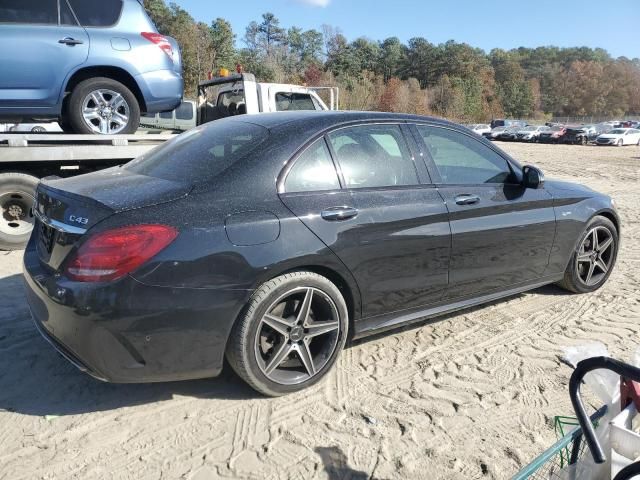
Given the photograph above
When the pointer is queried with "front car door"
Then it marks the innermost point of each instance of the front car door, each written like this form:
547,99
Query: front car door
502,233
42,44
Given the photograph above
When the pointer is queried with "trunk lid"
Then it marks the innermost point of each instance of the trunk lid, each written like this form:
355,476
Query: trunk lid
67,208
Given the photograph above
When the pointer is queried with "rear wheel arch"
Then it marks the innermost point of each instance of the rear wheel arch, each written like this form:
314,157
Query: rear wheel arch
114,73
351,297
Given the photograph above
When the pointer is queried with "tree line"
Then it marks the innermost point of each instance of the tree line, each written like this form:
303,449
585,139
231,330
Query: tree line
451,79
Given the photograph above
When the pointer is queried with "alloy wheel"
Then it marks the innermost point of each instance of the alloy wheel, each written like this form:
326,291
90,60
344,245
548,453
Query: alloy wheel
595,256
105,111
297,336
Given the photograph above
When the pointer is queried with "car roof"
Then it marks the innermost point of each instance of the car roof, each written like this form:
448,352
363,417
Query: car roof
324,119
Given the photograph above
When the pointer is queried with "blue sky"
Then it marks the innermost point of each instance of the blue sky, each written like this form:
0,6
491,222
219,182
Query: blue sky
482,23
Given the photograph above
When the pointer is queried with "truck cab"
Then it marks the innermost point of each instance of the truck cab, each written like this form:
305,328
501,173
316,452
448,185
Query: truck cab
240,94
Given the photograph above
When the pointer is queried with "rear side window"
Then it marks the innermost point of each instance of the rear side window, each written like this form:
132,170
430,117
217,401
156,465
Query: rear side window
313,171
461,159
104,13
29,11
166,115
66,16
294,101
184,111
373,156
202,153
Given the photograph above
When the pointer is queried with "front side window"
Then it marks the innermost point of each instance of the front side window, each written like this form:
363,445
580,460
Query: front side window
461,159
104,13
166,115
38,12
373,156
313,171
294,101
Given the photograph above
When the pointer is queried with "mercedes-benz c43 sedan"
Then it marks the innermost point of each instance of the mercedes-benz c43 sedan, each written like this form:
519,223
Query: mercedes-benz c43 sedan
273,239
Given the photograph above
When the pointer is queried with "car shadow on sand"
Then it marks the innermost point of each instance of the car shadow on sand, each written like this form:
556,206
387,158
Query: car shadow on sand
36,380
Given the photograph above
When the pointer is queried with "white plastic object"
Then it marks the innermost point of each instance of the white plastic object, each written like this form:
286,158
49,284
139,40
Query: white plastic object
625,443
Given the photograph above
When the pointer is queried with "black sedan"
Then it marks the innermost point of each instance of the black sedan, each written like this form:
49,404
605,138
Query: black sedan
274,238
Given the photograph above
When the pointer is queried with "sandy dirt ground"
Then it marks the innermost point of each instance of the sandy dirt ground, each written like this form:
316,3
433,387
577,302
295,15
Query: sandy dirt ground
470,395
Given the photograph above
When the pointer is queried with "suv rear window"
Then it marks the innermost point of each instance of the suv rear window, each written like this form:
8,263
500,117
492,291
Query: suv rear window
104,13
29,11
295,101
201,153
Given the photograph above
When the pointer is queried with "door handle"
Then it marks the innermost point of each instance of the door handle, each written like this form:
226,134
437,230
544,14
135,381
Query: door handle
467,199
339,213
70,41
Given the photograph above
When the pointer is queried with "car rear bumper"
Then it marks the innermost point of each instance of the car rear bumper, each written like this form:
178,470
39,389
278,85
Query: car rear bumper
161,89
129,332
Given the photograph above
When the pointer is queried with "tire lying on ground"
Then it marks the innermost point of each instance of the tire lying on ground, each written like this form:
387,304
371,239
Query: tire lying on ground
102,106
17,197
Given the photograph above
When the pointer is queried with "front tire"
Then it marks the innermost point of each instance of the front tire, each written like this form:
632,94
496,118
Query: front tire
594,259
102,106
17,197
620,143
290,334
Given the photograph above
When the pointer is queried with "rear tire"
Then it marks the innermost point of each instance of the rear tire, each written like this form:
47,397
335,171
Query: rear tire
113,100
271,359
574,280
17,197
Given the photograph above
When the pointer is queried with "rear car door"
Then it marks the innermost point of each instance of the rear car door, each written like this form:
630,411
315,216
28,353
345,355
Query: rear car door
389,228
42,44
502,233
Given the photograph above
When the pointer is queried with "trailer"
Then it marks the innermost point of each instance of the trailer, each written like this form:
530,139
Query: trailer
27,158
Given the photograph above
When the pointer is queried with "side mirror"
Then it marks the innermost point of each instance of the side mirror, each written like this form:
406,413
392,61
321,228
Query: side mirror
532,177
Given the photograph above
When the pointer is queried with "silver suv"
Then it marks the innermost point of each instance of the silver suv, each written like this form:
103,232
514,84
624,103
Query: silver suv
92,65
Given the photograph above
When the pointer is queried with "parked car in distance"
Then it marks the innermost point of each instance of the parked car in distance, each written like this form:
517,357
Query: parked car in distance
480,128
555,134
583,134
508,123
620,137
509,134
157,270
494,133
30,128
182,118
55,76
531,133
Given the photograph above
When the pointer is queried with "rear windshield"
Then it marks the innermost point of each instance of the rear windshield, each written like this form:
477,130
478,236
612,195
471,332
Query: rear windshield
201,153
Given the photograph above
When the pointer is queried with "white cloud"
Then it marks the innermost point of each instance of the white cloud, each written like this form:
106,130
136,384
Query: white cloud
315,3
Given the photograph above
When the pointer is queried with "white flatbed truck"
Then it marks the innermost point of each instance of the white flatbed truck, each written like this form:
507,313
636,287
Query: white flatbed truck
27,158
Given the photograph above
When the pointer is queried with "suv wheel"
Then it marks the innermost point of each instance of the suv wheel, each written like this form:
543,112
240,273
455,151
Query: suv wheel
103,106
290,334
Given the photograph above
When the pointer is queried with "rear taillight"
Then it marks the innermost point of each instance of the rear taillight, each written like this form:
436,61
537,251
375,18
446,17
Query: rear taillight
112,254
161,41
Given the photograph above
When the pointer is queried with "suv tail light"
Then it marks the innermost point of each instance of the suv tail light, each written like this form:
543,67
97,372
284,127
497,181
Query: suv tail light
161,41
112,254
